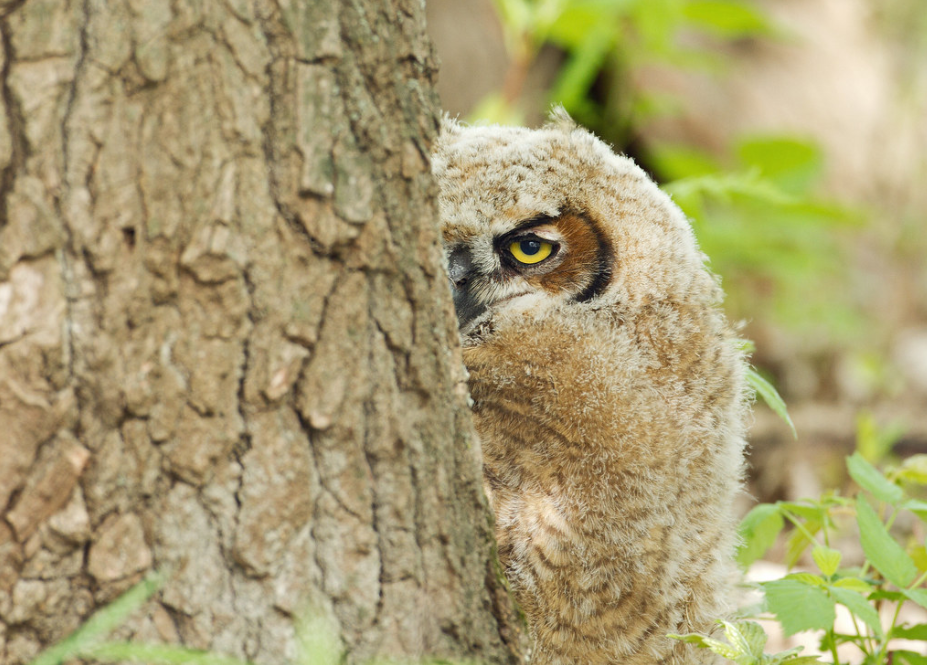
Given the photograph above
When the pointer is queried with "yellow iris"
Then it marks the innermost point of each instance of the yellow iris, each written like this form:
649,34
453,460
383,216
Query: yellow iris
530,250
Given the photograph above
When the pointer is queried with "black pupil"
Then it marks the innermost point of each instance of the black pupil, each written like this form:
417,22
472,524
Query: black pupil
530,247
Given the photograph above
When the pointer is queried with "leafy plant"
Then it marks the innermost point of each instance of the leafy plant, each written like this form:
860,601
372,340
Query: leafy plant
891,575
745,643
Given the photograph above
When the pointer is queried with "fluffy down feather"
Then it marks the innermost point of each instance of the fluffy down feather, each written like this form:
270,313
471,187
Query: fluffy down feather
608,392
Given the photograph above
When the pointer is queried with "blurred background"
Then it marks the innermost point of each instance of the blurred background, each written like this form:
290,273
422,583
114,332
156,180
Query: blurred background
794,135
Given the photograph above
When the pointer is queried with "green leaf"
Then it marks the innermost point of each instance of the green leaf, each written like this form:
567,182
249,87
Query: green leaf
853,584
791,163
914,469
758,532
827,560
888,557
859,606
803,660
806,578
582,67
691,638
702,642
915,632
725,186
909,657
103,622
871,480
798,542
919,596
771,396
727,18
874,442
317,636
747,637
799,606
811,511
169,654
917,507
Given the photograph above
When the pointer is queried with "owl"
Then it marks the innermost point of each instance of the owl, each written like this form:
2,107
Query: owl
608,391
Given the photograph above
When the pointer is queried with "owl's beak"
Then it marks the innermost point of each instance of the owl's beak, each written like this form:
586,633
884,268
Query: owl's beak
462,272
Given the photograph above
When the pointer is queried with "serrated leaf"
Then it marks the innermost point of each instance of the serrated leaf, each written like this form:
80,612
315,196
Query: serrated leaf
806,578
888,557
859,606
827,559
758,532
748,637
871,480
799,606
854,584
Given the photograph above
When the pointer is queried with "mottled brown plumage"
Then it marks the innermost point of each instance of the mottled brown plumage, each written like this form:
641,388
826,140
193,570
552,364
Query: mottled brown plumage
608,392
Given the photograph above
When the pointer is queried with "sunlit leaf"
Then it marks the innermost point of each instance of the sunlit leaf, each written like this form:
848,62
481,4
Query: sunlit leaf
771,396
827,559
888,557
873,442
914,469
495,109
702,642
791,163
758,532
859,606
799,606
870,479
160,654
919,596
806,578
747,637
582,66
103,622
727,18
853,584
919,555
798,542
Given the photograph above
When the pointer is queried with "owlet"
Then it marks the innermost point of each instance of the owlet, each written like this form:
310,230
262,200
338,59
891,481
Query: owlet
608,391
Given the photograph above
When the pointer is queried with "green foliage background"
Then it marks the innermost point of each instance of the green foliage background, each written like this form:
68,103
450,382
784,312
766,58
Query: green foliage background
756,210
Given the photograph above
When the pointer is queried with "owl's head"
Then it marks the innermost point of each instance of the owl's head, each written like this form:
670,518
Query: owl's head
550,218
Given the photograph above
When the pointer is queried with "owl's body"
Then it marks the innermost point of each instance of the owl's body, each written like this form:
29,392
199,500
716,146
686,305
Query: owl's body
608,392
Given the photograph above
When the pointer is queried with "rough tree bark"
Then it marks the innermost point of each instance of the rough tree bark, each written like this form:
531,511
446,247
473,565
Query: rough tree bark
226,344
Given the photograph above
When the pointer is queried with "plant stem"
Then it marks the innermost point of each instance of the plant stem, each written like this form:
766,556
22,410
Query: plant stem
833,645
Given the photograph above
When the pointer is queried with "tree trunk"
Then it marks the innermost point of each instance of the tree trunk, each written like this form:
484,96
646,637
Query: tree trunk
227,350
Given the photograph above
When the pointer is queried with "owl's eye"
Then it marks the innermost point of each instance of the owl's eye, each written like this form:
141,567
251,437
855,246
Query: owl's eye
530,250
